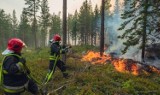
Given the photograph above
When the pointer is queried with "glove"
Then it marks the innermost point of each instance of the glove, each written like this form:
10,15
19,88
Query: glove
22,60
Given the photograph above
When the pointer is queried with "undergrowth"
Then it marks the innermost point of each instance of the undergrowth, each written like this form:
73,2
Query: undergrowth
88,79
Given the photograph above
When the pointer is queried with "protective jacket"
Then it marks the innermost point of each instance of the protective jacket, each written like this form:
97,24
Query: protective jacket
12,74
56,51
14,77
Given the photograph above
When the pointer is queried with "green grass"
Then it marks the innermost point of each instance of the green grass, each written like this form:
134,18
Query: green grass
88,79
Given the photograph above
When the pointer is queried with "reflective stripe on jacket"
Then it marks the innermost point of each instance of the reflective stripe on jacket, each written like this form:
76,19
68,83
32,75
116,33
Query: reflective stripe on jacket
7,79
16,89
54,57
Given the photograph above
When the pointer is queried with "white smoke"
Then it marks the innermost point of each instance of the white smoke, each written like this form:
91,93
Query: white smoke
115,45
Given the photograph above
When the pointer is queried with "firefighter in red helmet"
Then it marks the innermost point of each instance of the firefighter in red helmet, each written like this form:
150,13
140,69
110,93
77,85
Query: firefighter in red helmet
56,50
13,73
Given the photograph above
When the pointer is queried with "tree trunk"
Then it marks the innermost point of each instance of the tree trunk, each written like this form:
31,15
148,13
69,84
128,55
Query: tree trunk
64,27
144,30
92,36
102,29
95,39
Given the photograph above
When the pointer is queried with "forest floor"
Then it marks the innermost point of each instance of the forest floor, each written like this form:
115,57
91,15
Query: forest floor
89,79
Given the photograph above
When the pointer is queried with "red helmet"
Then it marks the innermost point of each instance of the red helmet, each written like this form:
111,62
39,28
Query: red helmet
56,37
15,45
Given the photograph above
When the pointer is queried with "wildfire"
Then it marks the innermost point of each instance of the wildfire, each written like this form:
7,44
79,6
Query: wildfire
121,65
95,58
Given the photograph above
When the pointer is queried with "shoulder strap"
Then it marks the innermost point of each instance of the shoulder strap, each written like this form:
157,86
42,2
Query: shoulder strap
1,67
13,55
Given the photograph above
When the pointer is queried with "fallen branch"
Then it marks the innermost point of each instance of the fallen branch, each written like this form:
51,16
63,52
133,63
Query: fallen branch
61,87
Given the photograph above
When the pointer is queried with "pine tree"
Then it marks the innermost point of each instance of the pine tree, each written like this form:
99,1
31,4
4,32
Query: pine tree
75,27
44,21
56,24
95,23
5,28
14,24
69,27
85,22
32,9
2,18
138,24
25,32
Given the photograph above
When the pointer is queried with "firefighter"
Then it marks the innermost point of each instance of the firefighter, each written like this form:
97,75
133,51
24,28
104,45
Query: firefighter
14,75
56,50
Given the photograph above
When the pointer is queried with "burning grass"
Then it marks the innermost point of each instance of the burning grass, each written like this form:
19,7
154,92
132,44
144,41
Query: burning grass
120,64
95,58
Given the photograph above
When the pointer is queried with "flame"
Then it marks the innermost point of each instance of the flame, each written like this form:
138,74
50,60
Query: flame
135,69
95,58
121,65
155,69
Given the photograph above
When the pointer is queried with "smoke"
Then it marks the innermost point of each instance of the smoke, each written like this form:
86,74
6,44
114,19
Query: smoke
115,45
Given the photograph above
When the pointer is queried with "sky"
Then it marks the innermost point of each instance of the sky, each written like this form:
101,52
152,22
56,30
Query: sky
54,5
